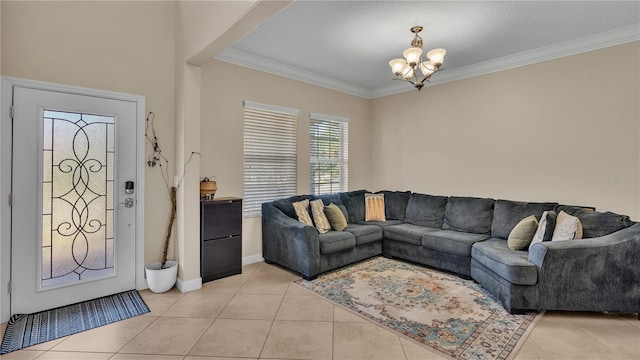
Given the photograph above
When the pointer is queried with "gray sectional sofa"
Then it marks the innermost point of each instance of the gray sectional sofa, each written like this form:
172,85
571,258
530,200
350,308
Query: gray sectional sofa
468,236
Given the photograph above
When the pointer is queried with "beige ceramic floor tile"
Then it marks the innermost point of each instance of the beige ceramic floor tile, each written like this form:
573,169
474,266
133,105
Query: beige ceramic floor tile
108,338
342,315
168,336
218,358
267,285
365,341
252,306
416,352
299,340
233,338
272,271
47,345
294,289
159,303
549,340
146,357
61,355
22,355
199,304
632,318
229,285
305,307
250,268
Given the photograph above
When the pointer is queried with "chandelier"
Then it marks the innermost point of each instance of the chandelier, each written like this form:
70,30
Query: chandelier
407,68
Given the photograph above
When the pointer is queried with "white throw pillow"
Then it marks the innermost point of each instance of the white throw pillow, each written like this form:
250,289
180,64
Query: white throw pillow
567,227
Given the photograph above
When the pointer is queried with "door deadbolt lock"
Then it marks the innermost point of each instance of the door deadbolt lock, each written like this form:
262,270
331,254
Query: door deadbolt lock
128,187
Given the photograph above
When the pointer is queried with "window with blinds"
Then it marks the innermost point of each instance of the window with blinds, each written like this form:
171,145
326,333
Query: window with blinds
270,154
329,153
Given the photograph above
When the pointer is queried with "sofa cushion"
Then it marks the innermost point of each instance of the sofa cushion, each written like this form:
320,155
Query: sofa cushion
286,205
468,214
426,210
596,224
332,199
354,202
302,211
568,227
365,233
335,241
512,266
522,234
506,214
374,207
382,224
319,218
407,233
335,216
395,204
452,242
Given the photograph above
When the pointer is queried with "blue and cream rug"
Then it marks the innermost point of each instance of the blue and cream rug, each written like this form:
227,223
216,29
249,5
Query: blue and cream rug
28,330
453,316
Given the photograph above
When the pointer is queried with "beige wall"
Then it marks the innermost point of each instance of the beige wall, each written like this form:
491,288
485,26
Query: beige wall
564,130
117,46
225,86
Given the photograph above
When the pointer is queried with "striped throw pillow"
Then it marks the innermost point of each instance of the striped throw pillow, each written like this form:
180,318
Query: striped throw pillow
322,223
374,207
302,210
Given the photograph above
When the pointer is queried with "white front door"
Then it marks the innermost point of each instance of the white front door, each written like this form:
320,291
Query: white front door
73,223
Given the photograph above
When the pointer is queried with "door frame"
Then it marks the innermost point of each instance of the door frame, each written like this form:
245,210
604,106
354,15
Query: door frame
6,100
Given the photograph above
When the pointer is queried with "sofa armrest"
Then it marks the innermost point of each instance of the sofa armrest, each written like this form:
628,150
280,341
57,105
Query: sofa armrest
596,274
290,243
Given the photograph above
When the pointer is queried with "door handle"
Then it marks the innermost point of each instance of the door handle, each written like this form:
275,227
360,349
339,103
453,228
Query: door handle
128,203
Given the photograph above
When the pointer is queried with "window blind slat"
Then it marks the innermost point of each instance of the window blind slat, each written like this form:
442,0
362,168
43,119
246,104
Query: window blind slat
270,155
329,149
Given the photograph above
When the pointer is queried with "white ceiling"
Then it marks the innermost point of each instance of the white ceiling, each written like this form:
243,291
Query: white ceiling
346,45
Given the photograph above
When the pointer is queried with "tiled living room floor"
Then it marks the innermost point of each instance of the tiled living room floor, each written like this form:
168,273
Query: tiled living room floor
261,315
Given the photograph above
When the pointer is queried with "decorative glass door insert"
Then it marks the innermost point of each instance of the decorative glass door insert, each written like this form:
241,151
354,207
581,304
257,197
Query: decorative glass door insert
78,173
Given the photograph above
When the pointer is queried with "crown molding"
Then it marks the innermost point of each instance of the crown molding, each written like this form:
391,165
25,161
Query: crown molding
245,59
568,48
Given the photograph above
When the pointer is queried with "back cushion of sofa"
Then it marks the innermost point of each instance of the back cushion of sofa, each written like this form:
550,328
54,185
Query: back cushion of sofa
354,202
468,214
395,204
286,205
426,210
507,214
332,199
596,224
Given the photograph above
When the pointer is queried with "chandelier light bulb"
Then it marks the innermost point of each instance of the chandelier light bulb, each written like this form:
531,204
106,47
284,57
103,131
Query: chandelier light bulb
397,65
407,72
437,56
427,68
412,55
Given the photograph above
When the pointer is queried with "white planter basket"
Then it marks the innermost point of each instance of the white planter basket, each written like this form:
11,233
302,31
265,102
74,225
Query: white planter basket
161,280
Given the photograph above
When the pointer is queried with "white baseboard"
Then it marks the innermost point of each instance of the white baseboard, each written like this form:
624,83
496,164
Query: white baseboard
186,286
252,259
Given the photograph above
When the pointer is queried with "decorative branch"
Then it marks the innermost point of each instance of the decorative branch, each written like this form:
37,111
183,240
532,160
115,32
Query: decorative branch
157,158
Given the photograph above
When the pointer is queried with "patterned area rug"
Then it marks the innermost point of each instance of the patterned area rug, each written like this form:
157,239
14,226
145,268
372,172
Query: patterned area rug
450,315
28,330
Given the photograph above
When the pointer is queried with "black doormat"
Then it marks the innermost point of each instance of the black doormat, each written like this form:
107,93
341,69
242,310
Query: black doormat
28,330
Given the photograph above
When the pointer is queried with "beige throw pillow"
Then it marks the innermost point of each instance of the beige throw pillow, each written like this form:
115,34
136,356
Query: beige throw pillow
336,217
317,209
567,227
374,207
302,211
522,234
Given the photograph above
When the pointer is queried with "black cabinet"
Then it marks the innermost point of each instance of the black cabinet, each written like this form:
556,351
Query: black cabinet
220,238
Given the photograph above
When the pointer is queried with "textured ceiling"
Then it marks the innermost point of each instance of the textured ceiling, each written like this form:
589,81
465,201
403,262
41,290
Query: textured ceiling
346,45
